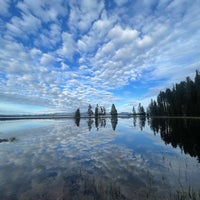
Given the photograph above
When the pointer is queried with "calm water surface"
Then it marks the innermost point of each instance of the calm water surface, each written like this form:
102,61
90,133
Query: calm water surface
99,159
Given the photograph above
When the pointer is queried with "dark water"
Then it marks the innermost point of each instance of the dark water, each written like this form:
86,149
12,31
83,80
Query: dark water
120,158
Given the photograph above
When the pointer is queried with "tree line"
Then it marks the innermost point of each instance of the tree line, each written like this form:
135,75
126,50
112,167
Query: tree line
101,111
182,100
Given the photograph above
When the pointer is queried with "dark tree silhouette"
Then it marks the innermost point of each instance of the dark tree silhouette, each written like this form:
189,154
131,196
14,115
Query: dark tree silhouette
114,121
182,100
77,113
102,111
141,109
179,132
77,117
134,112
90,112
97,111
113,110
90,122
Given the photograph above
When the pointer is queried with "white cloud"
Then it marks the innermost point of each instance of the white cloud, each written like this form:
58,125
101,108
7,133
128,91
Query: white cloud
46,59
91,42
122,36
44,10
50,37
145,41
4,5
84,13
68,45
34,52
23,26
64,66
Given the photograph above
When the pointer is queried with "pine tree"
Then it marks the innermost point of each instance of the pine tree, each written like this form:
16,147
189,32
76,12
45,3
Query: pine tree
182,100
141,109
97,111
90,112
77,113
113,111
134,112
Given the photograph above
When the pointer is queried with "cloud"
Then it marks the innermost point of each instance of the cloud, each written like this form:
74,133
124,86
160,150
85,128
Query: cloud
68,45
74,53
144,42
83,14
44,10
122,36
46,59
23,26
5,7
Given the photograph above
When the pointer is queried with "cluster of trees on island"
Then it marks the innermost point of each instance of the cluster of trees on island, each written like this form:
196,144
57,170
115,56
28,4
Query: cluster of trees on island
182,100
99,111
99,114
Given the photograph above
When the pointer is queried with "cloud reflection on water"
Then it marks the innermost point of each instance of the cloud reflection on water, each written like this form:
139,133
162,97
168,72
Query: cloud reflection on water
137,161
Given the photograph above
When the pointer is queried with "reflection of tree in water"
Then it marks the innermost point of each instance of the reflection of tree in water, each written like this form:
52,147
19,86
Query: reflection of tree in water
179,132
77,117
114,121
103,122
77,121
12,139
142,120
90,122
97,123
100,122
134,120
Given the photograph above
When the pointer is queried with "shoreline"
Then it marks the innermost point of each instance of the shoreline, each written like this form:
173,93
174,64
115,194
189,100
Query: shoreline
175,117
18,117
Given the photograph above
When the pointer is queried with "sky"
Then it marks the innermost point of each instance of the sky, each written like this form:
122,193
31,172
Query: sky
60,55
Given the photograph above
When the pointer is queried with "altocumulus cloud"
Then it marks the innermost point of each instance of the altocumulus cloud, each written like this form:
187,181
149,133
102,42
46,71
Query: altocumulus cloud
61,55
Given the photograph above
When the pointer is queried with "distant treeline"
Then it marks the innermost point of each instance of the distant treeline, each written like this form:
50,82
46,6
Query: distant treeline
182,100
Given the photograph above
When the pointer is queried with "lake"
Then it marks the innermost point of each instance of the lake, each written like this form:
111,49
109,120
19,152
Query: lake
124,158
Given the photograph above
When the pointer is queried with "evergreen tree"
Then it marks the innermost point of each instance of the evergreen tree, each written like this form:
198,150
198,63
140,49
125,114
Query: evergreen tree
182,100
102,110
197,89
141,109
134,112
152,108
97,111
113,110
77,117
90,112
77,113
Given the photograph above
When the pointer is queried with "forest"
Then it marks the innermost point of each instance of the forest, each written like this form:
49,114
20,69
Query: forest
182,100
